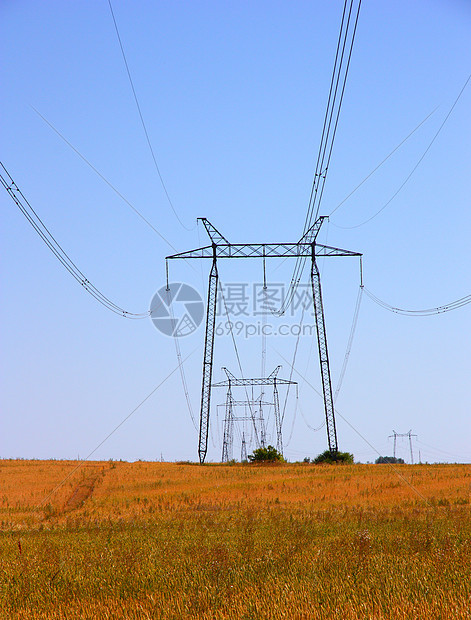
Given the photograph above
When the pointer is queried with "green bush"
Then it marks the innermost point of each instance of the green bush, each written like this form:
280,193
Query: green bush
334,457
388,459
266,455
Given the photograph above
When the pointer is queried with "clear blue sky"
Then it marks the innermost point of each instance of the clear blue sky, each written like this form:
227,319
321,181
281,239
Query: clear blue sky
233,95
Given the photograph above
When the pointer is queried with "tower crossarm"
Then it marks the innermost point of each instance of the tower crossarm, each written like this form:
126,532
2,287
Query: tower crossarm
261,250
247,403
327,250
254,382
221,248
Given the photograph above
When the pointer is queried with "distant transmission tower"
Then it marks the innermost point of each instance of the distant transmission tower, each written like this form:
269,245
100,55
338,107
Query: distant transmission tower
253,405
408,434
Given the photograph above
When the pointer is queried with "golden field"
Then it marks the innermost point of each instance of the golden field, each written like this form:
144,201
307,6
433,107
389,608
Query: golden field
178,541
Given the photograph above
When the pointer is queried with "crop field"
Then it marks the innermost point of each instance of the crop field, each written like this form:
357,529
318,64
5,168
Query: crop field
176,541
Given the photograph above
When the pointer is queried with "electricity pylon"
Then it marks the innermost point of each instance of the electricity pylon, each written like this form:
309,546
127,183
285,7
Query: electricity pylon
255,417
220,248
408,434
231,382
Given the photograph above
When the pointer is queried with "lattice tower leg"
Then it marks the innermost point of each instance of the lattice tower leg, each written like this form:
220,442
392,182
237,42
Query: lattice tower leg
208,362
263,432
323,356
228,439
276,402
243,450
411,453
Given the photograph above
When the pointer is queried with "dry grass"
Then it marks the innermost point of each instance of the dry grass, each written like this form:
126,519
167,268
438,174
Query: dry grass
161,540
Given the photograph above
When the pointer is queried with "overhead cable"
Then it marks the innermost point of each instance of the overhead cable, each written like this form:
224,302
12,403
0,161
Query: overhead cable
229,322
295,353
39,226
143,123
83,461
391,466
454,305
350,342
292,424
180,363
311,428
334,104
103,178
382,162
465,459
414,168
338,83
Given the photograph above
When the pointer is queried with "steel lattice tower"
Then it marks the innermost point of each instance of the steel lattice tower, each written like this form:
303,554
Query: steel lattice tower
231,382
305,248
409,434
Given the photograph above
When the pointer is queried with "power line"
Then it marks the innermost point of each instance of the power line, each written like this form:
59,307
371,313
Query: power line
142,120
454,305
252,415
314,430
103,178
39,226
338,83
371,174
180,363
325,151
287,443
414,168
295,353
347,351
409,484
83,461
350,342
456,456
381,163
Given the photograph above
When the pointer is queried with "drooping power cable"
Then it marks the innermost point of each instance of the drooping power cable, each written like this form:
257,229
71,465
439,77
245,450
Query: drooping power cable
350,342
39,226
180,363
142,121
338,83
103,178
454,305
414,168
382,162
